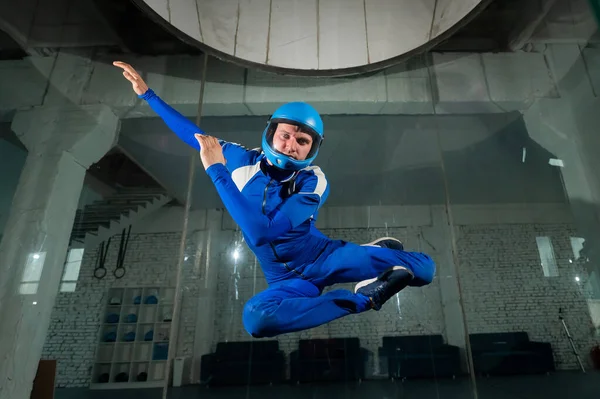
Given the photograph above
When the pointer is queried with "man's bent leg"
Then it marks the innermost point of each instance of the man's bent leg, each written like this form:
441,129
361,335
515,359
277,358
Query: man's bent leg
349,263
296,305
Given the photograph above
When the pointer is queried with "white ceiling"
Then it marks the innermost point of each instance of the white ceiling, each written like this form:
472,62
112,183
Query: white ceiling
312,34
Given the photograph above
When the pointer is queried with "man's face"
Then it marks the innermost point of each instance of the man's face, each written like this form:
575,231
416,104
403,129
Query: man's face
289,140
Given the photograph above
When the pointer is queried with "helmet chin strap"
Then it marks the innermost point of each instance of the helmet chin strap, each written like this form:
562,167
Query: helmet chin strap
290,180
277,167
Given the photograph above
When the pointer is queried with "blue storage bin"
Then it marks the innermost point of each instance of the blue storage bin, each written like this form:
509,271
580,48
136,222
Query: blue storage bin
129,337
110,337
131,318
149,335
161,351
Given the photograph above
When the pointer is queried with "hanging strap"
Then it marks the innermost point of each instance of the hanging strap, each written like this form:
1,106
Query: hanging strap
99,269
120,271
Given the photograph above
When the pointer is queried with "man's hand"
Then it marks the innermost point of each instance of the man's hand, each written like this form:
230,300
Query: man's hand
211,151
139,86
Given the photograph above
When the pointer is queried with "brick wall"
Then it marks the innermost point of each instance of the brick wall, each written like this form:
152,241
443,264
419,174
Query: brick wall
504,288
502,281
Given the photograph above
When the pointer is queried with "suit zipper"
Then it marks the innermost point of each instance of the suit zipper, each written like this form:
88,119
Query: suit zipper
264,203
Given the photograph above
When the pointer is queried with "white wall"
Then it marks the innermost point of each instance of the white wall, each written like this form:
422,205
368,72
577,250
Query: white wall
502,281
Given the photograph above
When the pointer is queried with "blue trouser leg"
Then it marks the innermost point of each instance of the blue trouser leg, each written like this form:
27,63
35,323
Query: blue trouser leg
296,305
350,263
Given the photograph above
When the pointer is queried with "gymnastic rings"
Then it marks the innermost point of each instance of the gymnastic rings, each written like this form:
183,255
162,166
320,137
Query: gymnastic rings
99,269
120,271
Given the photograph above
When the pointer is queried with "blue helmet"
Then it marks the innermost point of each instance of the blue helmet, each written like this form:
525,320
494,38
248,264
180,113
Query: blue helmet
307,119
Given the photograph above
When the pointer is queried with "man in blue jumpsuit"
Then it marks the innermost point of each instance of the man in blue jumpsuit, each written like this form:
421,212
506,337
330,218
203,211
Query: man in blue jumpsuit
274,195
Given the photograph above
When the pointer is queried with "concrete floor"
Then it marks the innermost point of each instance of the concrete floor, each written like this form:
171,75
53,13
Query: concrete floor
571,385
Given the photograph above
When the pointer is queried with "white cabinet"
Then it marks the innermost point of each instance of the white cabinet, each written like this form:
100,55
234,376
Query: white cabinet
133,342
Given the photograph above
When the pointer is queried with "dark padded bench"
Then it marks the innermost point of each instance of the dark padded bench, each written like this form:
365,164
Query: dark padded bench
336,359
510,353
420,356
243,363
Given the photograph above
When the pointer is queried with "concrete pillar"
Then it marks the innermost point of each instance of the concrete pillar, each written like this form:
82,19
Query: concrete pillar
62,142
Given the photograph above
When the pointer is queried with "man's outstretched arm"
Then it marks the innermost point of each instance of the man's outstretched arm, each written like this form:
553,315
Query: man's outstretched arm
178,123
187,130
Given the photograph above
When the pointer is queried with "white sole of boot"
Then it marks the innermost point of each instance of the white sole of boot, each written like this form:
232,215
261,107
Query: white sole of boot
374,243
371,280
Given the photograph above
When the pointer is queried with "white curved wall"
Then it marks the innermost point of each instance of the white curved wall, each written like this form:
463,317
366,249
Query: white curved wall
313,34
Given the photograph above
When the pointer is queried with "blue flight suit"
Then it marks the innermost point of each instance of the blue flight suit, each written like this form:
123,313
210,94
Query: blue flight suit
276,211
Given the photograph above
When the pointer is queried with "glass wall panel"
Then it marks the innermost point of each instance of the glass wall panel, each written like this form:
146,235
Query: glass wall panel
269,311
441,239
523,189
